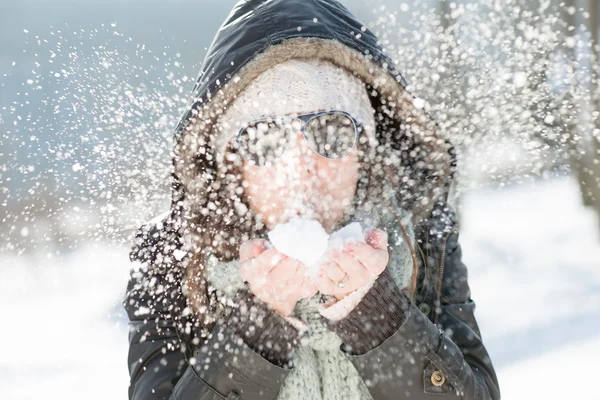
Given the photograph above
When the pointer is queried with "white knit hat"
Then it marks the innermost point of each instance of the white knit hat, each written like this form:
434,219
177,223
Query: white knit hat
296,86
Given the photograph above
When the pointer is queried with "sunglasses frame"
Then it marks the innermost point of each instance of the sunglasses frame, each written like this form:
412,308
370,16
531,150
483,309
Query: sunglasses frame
304,120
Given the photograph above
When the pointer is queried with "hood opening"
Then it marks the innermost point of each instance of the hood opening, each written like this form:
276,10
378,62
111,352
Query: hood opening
194,169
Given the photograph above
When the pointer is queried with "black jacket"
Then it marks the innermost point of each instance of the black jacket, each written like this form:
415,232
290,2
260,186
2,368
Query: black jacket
439,339
439,334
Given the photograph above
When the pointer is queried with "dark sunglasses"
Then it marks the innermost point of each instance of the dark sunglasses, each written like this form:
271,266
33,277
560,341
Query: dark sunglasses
331,134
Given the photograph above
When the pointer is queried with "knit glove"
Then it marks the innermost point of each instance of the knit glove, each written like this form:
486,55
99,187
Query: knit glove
263,330
378,314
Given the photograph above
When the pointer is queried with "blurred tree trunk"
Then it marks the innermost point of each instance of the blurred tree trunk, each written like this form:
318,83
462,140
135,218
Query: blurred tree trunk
454,80
591,156
570,115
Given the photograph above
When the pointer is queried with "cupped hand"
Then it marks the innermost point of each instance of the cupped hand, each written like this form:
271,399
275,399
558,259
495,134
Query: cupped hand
355,266
278,280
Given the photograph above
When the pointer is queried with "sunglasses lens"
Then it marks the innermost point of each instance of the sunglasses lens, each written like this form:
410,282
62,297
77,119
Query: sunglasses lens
261,143
331,135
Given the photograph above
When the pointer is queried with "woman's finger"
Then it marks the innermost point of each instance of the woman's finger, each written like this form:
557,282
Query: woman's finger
374,260
298,277
333,271
328,286
270,258
248,268
309,288
325,285
377,238
292,288
351,266
252,248
256,269
284,270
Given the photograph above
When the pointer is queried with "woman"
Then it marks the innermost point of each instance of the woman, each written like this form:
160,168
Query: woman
298,111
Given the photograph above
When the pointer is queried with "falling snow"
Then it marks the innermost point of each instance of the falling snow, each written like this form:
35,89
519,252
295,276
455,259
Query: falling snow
87,114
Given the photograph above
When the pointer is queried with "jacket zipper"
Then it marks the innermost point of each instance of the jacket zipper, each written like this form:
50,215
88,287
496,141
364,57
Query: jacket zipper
438,302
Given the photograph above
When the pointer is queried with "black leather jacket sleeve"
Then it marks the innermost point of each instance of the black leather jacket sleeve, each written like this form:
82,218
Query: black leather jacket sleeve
423,360
222,366
155,359
164,361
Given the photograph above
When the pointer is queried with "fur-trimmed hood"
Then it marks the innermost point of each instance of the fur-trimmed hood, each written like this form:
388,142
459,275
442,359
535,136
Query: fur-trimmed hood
418,163
259,34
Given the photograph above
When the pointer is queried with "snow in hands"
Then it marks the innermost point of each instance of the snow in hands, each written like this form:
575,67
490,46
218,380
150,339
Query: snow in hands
307,241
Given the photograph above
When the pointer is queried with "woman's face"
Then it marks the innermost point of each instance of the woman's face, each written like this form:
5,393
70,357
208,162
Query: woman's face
302,183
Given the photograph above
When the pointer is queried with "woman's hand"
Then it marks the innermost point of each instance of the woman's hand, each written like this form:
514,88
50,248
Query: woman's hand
278,280
355,266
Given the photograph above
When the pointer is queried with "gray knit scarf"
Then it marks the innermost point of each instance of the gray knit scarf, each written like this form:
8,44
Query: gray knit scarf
321,369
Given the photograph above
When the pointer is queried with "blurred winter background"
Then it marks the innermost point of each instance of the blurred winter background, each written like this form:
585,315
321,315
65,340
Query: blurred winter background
90,92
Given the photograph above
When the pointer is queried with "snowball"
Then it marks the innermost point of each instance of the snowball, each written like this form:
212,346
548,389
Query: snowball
307,241
302,239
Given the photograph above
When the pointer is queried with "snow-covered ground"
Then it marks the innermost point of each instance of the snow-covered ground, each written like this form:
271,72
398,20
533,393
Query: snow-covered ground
63,330
534,269
534,262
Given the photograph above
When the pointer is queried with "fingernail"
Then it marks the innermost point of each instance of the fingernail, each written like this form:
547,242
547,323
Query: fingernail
374,239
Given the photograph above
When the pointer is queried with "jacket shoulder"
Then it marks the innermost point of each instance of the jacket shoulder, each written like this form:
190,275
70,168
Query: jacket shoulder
155,240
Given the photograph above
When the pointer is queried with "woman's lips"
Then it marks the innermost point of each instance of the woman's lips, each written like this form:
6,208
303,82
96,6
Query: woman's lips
310,214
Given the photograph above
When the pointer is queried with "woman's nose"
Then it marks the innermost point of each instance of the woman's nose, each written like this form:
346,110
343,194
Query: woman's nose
306,158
